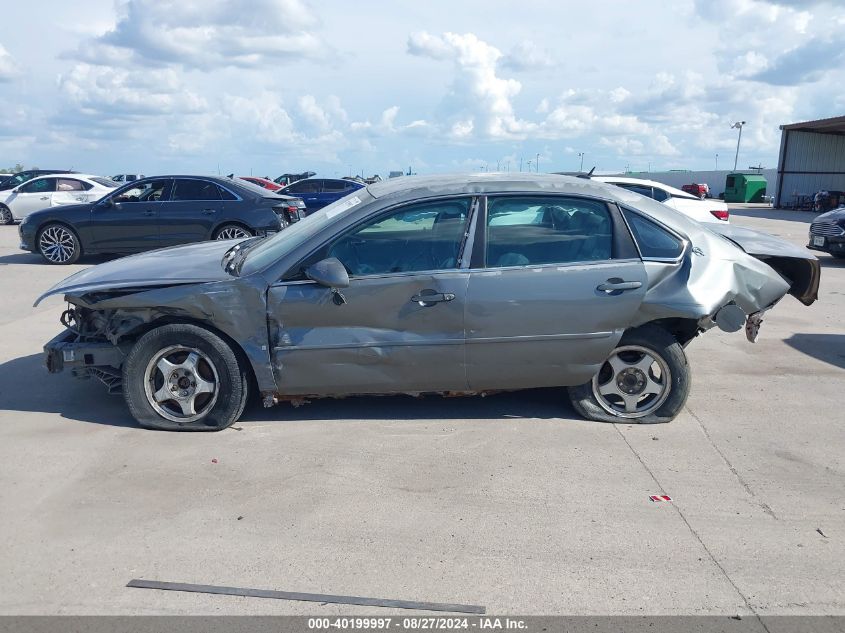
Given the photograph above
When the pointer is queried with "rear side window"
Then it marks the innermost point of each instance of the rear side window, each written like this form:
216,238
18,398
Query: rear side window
334,186
225,194
524,231
659,194
70,184
305,186
654,241
185,190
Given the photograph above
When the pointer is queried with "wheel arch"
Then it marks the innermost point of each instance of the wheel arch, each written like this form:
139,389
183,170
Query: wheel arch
136,333
223,223
683,330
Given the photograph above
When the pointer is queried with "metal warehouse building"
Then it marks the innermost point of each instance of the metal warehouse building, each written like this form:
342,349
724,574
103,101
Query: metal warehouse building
812,158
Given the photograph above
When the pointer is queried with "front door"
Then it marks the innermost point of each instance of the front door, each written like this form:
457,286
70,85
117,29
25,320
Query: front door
399,327
557,291
31,196
127,220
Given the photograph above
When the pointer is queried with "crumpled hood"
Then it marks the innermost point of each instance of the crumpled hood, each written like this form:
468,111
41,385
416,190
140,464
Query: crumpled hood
194,263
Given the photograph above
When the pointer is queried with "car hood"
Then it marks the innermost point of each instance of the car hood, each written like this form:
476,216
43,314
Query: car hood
832,216
195,263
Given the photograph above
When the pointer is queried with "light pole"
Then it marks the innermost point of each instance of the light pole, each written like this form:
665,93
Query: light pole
529,164
537,164
737,125
717,162
581,154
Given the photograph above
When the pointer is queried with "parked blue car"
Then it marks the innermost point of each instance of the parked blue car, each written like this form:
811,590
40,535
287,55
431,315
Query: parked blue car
316,193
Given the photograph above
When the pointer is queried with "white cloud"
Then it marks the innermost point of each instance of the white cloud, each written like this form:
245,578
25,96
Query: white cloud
9,69
207,35
527,56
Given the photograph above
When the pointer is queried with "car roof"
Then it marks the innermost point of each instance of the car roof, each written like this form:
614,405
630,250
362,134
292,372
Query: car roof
66,174
493,182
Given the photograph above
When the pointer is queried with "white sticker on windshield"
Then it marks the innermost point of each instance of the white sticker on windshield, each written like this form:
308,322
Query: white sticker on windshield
354,200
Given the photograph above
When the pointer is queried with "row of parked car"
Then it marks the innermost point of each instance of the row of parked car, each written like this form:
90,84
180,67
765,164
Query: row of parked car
64,214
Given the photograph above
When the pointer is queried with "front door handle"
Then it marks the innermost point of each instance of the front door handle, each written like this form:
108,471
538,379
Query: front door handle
45,197
427,298
208,211
615,286
149,212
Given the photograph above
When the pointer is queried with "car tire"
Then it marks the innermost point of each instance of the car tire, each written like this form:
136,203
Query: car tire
232,232
628,376
58,244
209,386
6,216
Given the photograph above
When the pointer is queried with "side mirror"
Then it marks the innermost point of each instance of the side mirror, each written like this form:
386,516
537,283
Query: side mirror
328,272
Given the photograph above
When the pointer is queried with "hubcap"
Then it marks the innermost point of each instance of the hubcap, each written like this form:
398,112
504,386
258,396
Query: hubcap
181,383
56,244
5,216
632,383
233,233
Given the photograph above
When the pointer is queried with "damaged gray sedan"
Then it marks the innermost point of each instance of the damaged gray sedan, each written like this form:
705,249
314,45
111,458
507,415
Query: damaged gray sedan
449,285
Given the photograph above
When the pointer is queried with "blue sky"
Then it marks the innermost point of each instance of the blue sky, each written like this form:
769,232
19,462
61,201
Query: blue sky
271,86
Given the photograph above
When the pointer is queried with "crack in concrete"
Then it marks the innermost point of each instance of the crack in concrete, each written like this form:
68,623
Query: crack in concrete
692,530
762,504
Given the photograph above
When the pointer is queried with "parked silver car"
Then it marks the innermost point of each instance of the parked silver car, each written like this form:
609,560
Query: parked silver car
455,284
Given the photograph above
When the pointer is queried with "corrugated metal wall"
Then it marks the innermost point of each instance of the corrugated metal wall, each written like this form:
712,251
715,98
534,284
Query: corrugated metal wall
818,159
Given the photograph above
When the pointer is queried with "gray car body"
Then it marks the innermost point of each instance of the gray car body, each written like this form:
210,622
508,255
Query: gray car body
548,323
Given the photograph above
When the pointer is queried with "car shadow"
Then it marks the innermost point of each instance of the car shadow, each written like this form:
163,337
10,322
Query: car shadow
829,348
829,261
26,386
34,258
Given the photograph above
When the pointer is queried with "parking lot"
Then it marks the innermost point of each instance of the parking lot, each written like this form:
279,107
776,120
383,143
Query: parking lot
511,501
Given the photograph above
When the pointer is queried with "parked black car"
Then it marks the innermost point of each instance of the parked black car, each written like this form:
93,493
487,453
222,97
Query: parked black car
13,180
827,233
158,212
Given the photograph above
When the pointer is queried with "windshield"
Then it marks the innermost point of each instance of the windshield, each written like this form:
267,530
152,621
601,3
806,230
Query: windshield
272,249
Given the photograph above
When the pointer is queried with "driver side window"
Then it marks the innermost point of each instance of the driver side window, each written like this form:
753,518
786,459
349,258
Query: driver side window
418,237
42,185
149,191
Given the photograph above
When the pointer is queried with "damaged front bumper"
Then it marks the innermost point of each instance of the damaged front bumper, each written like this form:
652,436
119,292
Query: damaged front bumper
84,359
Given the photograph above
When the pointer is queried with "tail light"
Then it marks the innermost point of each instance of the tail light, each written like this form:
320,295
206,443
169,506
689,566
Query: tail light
721,214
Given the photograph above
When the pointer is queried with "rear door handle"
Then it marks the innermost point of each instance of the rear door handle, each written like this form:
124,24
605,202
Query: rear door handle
149,212
45,197
209,211
428,298
614,286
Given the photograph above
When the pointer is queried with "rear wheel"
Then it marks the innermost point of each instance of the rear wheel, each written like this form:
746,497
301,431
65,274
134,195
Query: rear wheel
58,244
646,380
6,215
184,378
232,232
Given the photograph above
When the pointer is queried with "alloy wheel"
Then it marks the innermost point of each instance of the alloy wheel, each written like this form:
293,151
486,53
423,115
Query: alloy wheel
181,383
57,244
233,233
5,216
633,382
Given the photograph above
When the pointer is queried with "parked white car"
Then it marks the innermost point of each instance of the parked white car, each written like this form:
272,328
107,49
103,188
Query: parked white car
708,210
50,191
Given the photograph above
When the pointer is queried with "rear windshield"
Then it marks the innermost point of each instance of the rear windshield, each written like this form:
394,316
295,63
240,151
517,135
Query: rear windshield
105,182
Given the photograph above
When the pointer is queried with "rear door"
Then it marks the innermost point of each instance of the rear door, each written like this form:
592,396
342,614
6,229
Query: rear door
195,207
401,327
559,281
130,224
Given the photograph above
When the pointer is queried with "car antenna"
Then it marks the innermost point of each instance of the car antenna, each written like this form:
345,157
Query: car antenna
589,174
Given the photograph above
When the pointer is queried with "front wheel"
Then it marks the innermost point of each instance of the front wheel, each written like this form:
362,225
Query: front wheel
58,244
184,378
645,380
6,216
